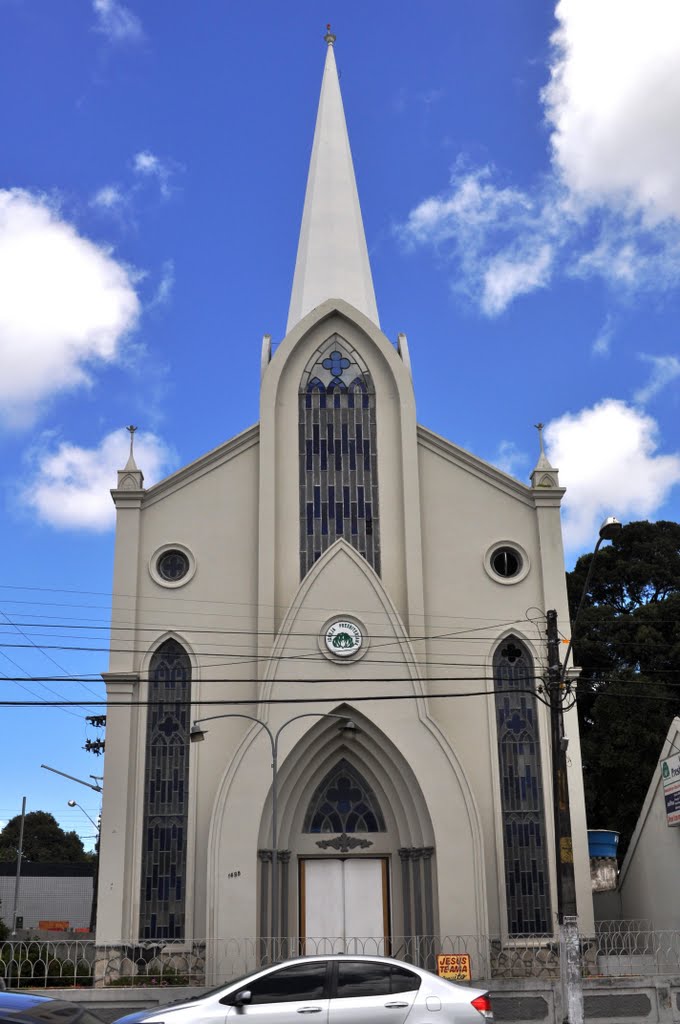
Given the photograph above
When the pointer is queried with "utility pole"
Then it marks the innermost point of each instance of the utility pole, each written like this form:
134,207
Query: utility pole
558,691
17,879
567,920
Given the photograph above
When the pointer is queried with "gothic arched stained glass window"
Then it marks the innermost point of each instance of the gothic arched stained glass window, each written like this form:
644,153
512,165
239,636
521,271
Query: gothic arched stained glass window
527,880
338,456
343,802
166,792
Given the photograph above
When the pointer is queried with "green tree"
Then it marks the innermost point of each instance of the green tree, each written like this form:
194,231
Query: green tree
627,643
45,842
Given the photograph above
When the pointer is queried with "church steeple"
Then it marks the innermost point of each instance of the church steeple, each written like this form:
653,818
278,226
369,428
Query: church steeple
332,257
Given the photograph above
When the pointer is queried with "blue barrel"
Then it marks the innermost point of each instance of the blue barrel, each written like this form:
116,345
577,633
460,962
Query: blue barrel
602,843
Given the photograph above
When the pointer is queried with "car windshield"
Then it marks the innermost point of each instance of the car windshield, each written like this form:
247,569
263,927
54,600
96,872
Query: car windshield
231,983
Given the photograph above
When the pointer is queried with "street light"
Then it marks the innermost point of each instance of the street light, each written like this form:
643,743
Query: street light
74,803
570,974
95,874
197,735
610,529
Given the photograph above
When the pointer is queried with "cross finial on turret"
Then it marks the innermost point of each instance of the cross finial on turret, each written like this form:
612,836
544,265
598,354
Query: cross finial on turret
131,430
131,478
329,37
544,475
539,428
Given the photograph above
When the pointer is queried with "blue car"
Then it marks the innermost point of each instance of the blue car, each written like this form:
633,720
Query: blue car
27,1008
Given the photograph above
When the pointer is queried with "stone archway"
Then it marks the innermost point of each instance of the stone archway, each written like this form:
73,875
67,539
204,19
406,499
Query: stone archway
365,841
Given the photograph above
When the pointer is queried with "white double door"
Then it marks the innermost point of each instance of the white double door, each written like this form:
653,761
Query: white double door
343,905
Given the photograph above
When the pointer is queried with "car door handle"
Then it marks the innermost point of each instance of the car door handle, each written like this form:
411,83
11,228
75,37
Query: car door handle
313,1009
395,1006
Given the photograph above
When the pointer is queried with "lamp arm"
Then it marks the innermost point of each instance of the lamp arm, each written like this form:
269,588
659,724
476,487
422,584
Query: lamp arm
251,718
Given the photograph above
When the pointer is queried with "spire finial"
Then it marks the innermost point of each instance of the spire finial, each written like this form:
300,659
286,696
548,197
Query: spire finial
539,428
332,257
131,430
543,475
329,37
131,478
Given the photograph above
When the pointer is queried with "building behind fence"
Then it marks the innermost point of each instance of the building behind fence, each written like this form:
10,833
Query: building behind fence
58,895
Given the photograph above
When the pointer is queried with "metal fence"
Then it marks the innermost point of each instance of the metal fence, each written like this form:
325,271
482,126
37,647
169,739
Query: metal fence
619,949
633,948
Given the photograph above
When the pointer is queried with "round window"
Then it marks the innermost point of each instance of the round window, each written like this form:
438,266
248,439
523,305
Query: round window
506,562
172,565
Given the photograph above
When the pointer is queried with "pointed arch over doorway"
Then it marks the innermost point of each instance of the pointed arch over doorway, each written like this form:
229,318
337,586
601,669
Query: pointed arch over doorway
343,802
354,822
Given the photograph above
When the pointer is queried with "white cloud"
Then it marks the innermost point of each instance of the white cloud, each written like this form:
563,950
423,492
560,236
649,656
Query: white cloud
165,285
117,22
610,205
474,205
70,485
509,458
148,165
608,461
664,370
66,304
502,238
613,102
506,278
603,341
110,197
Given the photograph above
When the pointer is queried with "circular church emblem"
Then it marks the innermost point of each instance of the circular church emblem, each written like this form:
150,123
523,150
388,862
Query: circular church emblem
343,638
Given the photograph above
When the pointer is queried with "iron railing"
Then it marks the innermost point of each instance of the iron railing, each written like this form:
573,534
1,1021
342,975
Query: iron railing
619,949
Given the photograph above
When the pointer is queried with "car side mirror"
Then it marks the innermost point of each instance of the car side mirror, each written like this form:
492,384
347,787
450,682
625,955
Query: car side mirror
242,997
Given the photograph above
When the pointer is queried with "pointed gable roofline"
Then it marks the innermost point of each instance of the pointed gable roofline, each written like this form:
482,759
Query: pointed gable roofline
332,257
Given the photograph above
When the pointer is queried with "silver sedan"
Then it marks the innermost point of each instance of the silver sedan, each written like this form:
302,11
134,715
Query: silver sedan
340,989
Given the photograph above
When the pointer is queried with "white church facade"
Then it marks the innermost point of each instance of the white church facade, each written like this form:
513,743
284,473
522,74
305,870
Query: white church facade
336,563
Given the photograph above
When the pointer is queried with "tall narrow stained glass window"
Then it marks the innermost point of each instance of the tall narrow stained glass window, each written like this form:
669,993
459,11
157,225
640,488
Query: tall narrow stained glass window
338,456
166,791
527,880
344,802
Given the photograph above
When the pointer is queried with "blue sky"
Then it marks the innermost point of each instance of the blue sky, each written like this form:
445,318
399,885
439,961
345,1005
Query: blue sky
519,172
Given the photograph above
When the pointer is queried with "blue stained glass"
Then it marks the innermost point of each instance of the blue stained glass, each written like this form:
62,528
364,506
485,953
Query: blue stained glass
526,865
165,781
343,802
337,451
336,363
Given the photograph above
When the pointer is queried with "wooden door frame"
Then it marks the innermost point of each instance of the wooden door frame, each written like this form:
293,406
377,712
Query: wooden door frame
386,893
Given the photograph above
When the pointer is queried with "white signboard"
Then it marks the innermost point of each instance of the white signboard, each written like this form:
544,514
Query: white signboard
670,776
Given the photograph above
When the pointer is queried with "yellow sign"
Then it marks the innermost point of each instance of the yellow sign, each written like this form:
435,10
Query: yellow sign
454,966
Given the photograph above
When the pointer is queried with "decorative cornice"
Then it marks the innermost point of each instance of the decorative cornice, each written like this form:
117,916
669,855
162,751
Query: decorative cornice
344,843
126,497
473,464
205,464
120,684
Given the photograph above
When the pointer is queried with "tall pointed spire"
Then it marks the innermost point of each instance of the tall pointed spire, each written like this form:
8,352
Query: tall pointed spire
332,257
